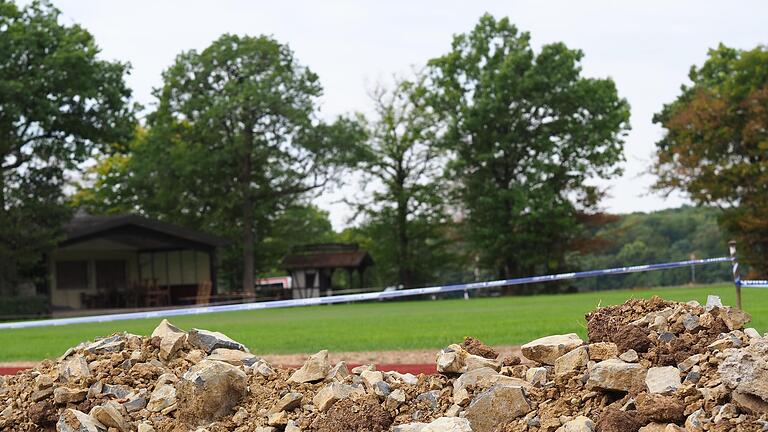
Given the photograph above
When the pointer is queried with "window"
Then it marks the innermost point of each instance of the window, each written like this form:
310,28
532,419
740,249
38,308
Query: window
72,275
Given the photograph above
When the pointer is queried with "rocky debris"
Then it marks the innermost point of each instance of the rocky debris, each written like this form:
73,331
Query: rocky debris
649,365
497,405
615,375
210,390
547,349
664,379
73,420
210,340
316,368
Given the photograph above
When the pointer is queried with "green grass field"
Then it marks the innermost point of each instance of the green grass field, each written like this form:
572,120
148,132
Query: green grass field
383,325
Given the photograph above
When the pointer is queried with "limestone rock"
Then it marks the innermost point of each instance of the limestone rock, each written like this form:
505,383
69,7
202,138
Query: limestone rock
288,402
497,405
734,318
602,351
73,368
395,399
338,372
614,374
448,424
209,341
536,376
109,415
745,370
316,368
572,361
629,356
63,395
455,359
109,344
210,389
233,357
76,421
146,427
162,397
332,393
664,380
579,424
661,427
482,379
547,349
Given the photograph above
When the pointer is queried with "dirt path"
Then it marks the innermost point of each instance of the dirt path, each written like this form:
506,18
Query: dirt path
410,357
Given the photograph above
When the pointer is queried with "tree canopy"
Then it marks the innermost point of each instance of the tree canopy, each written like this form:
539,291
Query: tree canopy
715,143
60,104
526,133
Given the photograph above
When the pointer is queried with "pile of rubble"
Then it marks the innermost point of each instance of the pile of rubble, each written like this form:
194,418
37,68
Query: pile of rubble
649,365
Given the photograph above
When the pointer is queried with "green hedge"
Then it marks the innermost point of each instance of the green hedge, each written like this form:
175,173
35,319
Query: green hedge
15,307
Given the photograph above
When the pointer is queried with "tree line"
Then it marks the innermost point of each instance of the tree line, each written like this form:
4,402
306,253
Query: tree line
481,163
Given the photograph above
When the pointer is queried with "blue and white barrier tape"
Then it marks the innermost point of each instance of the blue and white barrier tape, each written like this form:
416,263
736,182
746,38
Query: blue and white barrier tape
380,295
753,283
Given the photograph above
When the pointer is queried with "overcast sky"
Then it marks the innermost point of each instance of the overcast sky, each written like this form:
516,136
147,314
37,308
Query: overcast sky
647,47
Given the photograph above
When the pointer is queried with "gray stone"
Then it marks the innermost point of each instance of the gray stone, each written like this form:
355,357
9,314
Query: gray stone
74,368
497,405
615,374
209,341
547,349
316,368
409,427
664,380
110,344
136,401
713,302
745,370
381,389
116,390
431,397
691,322
536,376
162,397
752,333
76,421
689,363
146,427
210,389
629,356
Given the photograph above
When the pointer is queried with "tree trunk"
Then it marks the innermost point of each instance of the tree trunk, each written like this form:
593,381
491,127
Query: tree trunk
249,237
403,264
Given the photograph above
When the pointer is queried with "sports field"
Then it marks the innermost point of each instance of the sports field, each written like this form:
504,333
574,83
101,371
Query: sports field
383,326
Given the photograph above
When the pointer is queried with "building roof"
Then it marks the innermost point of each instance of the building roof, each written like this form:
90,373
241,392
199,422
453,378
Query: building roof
328,255
136,231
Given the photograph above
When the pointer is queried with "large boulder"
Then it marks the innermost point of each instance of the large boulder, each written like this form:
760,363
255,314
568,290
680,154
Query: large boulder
615,374
497,405
209,390
664,380
745,370
547,349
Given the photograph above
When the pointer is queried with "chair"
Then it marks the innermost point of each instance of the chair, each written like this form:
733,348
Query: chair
203,292
157,295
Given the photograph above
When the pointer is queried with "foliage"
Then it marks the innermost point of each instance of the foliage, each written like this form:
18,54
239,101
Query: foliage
233,143
662,236
716,144
527,132
59,104
403,198
22,307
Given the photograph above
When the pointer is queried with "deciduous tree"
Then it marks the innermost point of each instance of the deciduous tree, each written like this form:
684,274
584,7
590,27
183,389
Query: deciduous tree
715,148
527,134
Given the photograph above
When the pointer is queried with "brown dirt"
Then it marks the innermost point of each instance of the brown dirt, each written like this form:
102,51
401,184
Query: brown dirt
361,415
662,409
614,420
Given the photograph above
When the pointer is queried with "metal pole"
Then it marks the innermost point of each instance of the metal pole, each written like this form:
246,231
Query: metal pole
736,275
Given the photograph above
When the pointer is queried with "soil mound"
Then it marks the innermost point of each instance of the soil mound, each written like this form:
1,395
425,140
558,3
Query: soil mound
648,365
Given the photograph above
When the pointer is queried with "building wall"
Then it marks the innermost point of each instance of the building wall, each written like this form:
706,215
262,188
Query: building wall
172,268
